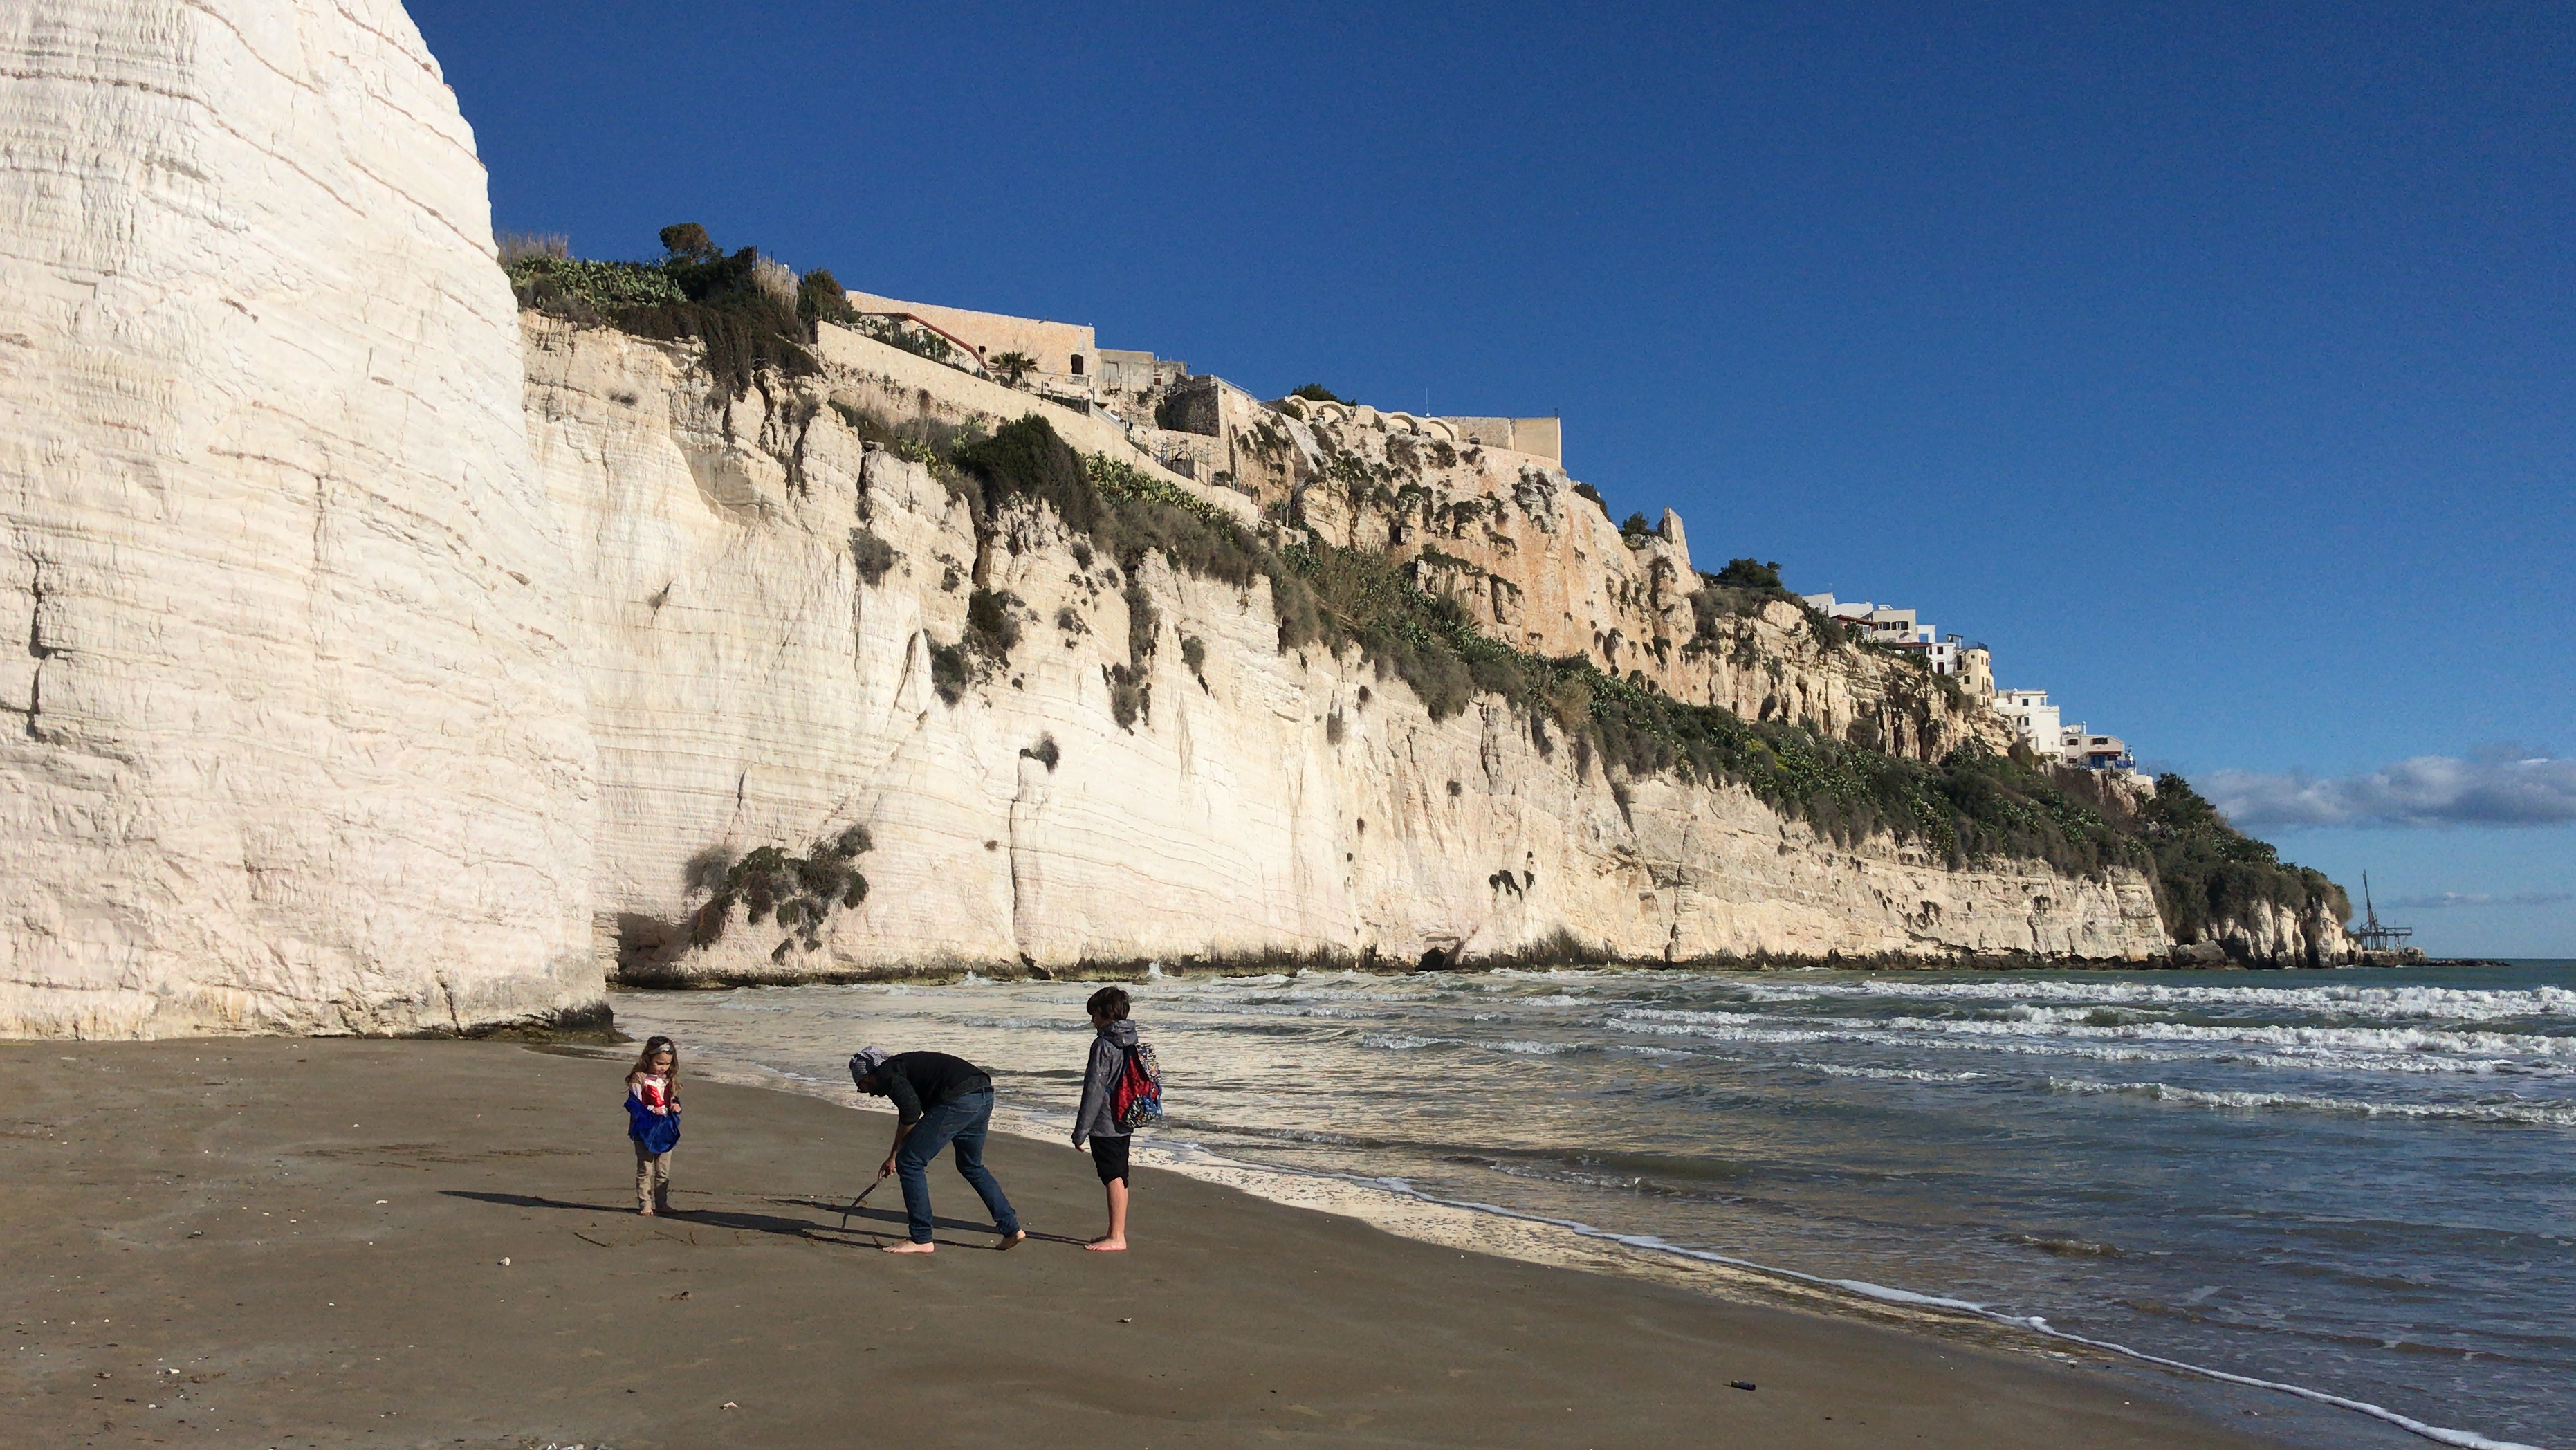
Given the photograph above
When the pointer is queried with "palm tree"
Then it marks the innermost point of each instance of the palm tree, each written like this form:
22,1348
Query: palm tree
1011,367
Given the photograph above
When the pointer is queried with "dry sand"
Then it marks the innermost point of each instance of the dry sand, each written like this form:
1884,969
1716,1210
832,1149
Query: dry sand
263,1242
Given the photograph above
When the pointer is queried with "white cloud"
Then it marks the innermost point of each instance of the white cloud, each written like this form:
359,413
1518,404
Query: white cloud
2501,787
2446,899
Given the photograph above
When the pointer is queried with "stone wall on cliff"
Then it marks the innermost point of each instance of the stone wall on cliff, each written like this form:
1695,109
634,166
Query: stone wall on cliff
291,741
750,686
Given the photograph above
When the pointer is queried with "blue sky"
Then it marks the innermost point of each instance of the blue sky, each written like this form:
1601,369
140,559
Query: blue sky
2212,363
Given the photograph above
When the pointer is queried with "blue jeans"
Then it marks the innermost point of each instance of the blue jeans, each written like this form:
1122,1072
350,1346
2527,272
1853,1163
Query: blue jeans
964,1122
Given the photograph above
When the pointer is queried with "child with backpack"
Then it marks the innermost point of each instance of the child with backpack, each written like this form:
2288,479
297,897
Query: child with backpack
653,1122
1122,1090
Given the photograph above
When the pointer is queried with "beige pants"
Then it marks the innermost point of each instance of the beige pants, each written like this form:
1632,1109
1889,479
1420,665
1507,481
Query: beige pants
652,1178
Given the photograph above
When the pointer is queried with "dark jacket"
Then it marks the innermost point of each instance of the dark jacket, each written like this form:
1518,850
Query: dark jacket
1098,1116
920,1081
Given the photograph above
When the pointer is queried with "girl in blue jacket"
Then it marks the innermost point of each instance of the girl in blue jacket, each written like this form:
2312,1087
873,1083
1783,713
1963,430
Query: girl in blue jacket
653,1122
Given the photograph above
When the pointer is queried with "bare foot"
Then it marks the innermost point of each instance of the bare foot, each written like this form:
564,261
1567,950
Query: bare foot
909,1247
1017,1237
648,1213
1107,1246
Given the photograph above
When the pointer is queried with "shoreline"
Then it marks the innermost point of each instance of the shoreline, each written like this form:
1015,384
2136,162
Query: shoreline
1134,969
1507,1233
473,1278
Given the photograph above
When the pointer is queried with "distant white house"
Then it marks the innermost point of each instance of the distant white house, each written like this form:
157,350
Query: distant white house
1892,627
2036,723
2079,746
1840,613
2034,720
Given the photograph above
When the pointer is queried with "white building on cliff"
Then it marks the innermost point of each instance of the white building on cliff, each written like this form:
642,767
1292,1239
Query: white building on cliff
1892,628
2034,720
2079,746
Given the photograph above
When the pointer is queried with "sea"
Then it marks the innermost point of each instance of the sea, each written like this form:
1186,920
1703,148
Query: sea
2355,1185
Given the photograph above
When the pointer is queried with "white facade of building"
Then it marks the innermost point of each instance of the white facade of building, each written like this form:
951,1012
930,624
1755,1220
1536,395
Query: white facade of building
2079,746
2033,719
1824,604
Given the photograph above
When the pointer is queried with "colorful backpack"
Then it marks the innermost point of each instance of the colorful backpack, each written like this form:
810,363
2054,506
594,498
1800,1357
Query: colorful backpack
1138,1100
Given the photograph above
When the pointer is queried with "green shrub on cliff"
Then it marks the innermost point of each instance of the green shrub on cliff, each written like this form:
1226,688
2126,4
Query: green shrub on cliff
993,623
731,307
820,297
872,555
739,308
1749,574
926,441
919,341
992,632
688,242
2207,874
801,892
563,284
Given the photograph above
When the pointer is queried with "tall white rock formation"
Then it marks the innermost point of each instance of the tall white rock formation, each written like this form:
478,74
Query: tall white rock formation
289,738
750,686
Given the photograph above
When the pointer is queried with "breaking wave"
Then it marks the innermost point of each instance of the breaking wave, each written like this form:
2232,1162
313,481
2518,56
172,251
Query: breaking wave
2070,1027
1891,1074
2450,1004
2548,1112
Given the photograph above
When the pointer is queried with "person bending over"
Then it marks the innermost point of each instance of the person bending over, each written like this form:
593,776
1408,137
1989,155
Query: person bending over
938,1100
1113,1040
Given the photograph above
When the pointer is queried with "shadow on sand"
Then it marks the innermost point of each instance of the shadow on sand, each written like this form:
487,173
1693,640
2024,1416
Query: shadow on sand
876,1223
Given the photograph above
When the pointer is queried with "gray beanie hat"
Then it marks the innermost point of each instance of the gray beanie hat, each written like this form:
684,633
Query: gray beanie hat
863,1062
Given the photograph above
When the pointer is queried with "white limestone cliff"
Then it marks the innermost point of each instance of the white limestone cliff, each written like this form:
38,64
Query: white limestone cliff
396,662
290,738
748,688
2264,933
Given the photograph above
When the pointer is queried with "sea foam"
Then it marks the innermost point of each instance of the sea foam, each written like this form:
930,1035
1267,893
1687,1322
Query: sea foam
2454,1004
2546,1112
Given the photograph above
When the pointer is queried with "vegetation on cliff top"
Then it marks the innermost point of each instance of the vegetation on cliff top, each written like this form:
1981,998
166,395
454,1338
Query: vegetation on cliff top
747,311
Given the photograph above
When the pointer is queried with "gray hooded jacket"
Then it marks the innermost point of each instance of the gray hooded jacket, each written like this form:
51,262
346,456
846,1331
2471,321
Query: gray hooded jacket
1098,1117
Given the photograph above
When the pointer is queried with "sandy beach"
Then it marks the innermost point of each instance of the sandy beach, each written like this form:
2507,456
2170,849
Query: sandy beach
267,1242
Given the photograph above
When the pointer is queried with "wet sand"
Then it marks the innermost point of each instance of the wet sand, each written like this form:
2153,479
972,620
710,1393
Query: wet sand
260,1242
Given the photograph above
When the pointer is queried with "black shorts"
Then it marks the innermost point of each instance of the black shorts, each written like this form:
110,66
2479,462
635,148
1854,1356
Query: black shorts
1109,1155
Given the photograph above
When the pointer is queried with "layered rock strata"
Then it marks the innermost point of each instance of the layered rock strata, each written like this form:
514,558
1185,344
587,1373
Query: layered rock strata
1536,562
751,686
2270,934
290,739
